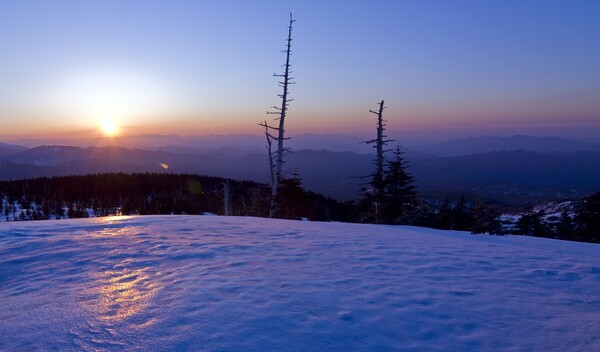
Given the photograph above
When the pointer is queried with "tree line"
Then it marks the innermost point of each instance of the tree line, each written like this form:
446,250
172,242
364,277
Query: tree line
153,193
581,223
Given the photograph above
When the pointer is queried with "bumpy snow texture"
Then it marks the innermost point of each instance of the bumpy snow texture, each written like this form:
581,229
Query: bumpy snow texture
209,283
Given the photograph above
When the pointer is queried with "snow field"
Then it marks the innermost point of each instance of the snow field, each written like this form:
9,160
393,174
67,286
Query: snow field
211,283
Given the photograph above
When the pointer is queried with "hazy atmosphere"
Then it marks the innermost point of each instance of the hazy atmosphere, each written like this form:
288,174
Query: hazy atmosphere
75,69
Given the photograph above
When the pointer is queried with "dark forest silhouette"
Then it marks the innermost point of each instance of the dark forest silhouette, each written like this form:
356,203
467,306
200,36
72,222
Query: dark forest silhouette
150,193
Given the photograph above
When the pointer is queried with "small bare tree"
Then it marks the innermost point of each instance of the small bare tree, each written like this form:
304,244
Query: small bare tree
269,152
276,158
226,198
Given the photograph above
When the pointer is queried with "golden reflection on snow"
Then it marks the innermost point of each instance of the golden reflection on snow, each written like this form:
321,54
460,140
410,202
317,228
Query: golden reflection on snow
125,231
114,231
122,288
123,293
111,220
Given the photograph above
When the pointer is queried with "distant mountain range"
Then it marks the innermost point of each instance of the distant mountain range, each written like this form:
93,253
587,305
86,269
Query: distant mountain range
249,143
487,144
511,177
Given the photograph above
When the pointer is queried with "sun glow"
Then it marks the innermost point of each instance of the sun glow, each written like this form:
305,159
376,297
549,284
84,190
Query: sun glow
110,128
110,98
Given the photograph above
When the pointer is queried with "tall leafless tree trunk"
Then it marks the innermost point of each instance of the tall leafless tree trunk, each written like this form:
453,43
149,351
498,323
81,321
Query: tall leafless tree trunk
377,181
276,159
379,142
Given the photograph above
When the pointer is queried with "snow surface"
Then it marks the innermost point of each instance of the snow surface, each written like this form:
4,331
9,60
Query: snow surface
212,283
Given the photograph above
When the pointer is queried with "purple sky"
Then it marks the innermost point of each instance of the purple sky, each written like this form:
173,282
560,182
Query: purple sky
444,68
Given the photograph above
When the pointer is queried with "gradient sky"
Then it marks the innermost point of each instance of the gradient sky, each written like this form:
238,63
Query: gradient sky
444,68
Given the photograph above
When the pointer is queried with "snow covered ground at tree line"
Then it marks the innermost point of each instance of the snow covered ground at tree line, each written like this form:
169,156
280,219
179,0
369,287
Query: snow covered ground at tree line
212,283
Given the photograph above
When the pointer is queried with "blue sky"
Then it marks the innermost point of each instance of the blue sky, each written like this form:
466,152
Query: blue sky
198,67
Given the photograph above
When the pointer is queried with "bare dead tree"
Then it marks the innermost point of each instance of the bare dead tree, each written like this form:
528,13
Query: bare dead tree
379,142
271,157
276,160
226,198
377,180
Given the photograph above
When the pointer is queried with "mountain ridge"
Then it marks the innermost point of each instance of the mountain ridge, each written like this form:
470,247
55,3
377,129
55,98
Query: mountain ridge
512,177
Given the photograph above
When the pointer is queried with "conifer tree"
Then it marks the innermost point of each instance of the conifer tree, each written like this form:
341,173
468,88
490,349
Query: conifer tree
588,219
461,215
399,191
530,223
565,228
445,215
485,219
292,202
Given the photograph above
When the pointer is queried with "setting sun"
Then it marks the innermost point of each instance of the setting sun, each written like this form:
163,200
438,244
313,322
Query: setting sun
110,128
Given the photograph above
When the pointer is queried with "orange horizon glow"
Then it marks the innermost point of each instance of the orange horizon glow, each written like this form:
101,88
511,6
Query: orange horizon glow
295,124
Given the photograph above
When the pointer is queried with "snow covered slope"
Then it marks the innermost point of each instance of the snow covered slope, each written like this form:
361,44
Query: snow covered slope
208,283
